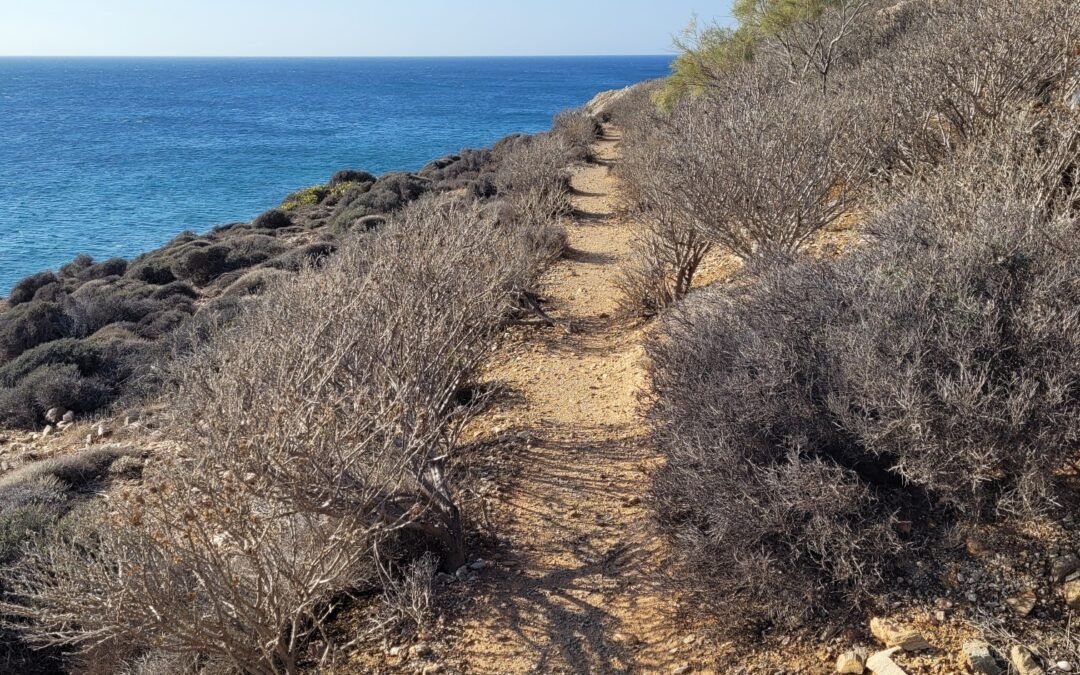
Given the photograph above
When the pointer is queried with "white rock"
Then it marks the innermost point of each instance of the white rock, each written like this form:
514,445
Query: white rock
55,415
1072,594
851,663
47,431
979,659
1064,666
882,663
69,417
893,635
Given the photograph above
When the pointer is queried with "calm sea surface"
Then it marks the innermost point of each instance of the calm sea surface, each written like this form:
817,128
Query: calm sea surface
113,157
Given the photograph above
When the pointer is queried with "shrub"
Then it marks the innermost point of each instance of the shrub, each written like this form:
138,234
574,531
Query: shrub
579,131
937,363
252,250
154,269
532,178
273,219
306,197
346,176
284,487
24,290
665,258
113,267
28,325
755,174
76,265
312,254
201,264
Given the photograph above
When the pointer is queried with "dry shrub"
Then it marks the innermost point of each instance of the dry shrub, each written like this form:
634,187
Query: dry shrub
800,410
532,180
579,131
316,429
665,257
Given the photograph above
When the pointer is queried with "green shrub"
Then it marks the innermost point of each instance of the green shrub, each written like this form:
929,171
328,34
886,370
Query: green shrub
306,197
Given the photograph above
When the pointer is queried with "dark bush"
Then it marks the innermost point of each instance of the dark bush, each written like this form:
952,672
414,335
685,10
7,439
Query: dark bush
176,288
351,176
154,269
579,130
252,250
28,325
50,293
273,219
255,282
24,290
76,266
201,264
113,267
298,258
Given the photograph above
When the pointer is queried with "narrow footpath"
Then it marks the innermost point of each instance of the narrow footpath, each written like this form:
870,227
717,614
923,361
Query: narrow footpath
576,590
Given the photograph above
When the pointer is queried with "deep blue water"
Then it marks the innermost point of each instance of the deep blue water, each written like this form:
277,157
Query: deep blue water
113,157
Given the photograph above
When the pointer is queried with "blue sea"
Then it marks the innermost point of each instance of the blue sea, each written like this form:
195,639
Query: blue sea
113,157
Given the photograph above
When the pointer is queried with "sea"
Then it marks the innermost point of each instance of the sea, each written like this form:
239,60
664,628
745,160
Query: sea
113,157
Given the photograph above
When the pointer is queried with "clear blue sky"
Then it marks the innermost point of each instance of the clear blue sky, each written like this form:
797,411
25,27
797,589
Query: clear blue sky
345,27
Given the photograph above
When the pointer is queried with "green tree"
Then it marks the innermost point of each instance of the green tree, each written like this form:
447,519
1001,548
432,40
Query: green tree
808,34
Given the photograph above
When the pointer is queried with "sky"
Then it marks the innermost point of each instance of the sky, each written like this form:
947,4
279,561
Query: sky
346,27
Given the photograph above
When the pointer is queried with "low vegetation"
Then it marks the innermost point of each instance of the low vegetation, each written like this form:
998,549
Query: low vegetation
813,409
315,425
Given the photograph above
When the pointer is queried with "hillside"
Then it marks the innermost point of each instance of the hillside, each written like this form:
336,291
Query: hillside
772,366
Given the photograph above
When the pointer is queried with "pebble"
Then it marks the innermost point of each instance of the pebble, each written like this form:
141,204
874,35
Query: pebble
979,659
1064,666
681,670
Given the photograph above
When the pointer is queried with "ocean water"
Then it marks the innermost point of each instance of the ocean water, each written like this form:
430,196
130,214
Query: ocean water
113,157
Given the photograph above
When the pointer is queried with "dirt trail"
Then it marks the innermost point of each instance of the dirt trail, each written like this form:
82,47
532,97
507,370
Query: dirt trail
574,591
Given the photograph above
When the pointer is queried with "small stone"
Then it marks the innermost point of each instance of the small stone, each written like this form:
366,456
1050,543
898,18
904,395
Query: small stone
422,650
101,431
1023,602
47,431
632,501
478,565
1064,666
462,573
55,415
1024,661
689,639
979,548
395,651
681,670
1063,566
1072,594
852,662
882,663
892,635
69,416
979,659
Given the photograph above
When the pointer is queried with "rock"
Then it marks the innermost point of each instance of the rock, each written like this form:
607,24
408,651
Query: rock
979,659
892,635
882,663
101,431
1064,566
1072,594
396,651
69,417
1064,666
852,662
55,415
681,670
422,650
1024,661
47,431
1023,602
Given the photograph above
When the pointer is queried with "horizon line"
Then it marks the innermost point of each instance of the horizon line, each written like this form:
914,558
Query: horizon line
324,56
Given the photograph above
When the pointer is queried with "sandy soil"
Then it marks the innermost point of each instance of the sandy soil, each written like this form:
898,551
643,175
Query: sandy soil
577,592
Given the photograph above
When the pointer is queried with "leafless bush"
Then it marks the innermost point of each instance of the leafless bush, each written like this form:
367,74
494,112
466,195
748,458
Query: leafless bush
320,424
579,131
665,258
756,173
532,178
938,361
